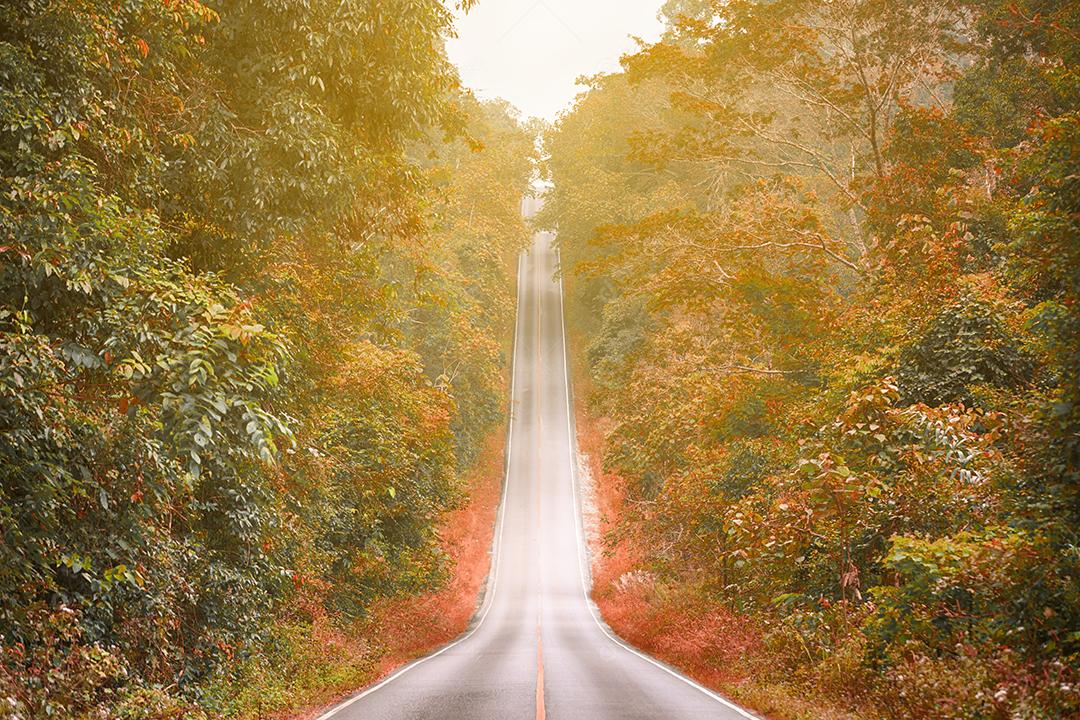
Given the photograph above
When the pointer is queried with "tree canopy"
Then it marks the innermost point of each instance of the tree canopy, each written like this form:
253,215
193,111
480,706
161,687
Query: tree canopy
255,259
825,256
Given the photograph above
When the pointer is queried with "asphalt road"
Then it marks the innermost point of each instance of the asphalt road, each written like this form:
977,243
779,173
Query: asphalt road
537,648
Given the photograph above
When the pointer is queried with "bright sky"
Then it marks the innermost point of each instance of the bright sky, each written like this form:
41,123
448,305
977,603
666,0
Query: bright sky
530,52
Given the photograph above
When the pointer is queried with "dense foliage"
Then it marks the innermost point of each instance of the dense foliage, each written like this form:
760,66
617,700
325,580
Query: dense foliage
826,255
254,261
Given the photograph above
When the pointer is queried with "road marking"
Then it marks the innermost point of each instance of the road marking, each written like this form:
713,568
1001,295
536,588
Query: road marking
499,533
538,478
582,550
498,537
540,712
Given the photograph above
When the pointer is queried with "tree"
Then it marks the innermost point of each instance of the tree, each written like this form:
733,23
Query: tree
218,229
828,268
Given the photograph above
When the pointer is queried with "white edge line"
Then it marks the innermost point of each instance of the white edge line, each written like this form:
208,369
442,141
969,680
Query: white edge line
583,549
489,599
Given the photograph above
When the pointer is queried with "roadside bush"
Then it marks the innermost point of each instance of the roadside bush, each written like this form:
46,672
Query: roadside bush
966,345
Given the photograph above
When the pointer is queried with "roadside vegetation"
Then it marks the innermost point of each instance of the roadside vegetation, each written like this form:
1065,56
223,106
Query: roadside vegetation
255,302
824,275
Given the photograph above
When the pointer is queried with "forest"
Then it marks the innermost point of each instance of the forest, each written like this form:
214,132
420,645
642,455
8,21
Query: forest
257,281
255,295
823,259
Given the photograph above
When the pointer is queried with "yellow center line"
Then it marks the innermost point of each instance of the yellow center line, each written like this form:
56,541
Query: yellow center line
540,711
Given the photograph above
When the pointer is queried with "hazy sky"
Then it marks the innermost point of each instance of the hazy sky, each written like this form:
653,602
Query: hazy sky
531,51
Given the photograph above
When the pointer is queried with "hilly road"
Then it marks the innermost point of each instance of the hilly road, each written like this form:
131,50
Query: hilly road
537,648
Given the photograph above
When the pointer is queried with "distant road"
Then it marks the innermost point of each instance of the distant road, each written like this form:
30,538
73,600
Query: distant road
537,649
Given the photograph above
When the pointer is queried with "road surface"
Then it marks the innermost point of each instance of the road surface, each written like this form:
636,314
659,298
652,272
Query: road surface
537,649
